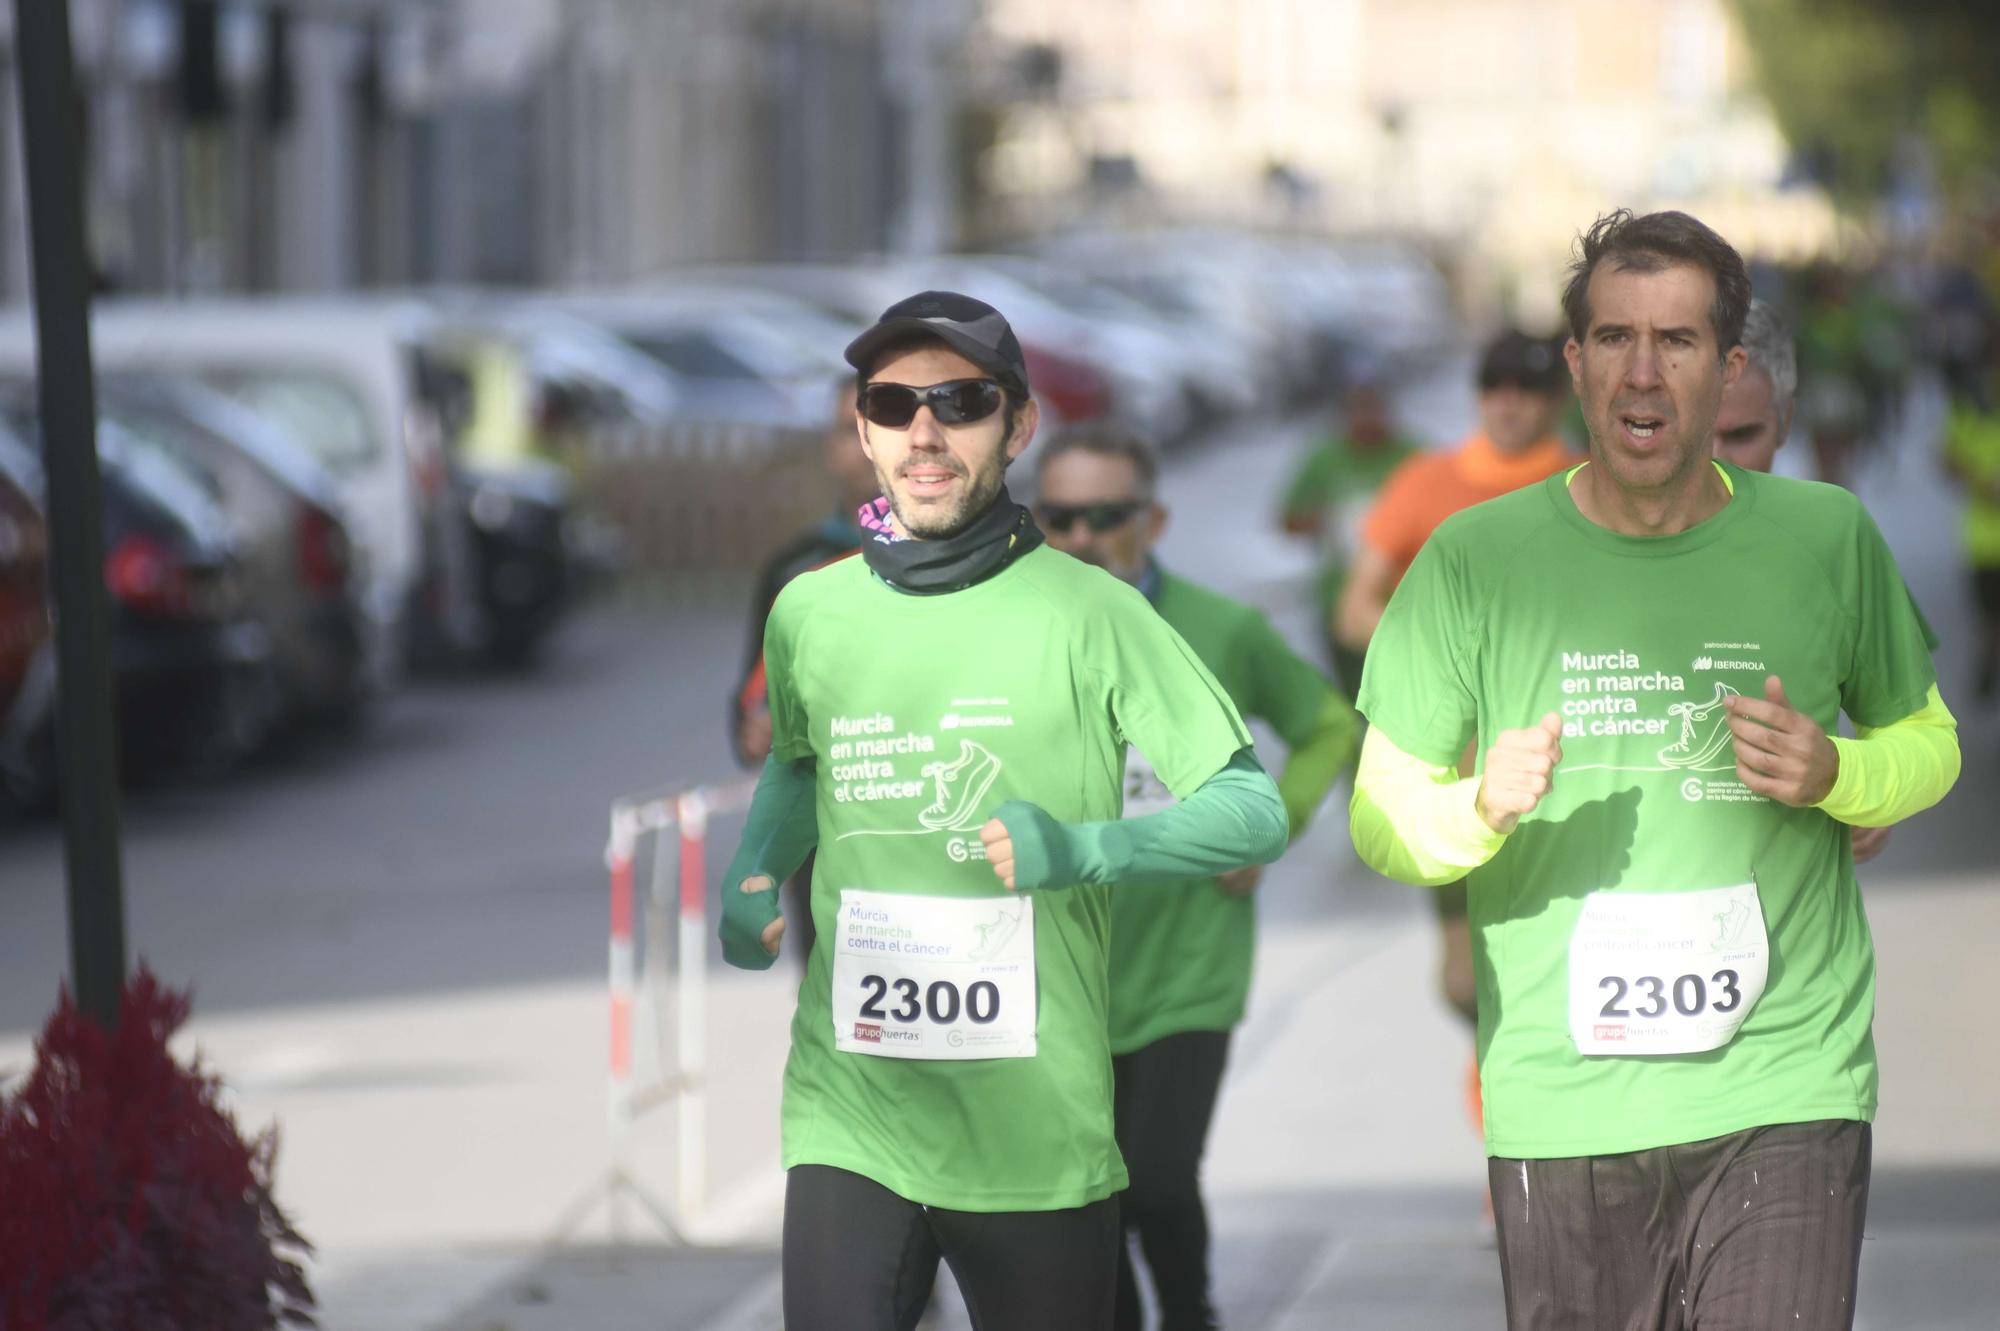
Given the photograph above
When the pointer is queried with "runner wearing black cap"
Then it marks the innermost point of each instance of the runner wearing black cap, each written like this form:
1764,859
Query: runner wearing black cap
949,718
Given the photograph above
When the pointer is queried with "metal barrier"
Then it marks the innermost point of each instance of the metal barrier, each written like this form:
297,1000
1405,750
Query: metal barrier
676,904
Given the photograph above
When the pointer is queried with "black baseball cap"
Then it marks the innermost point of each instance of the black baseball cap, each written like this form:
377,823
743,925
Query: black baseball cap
1513,357
972,328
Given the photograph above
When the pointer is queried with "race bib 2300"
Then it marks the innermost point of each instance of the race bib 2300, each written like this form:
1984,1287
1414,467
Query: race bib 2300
934,977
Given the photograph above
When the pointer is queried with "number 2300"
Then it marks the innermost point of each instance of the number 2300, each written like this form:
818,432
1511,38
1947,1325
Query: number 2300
941,1002
1689,995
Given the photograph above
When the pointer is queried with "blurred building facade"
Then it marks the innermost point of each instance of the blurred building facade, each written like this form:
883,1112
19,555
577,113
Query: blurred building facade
1493,127
331,144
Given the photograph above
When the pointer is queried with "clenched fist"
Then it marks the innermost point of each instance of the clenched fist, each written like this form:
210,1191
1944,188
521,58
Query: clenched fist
1519,769
999,850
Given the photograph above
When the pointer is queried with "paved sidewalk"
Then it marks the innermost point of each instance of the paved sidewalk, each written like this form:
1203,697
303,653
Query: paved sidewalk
1346,1181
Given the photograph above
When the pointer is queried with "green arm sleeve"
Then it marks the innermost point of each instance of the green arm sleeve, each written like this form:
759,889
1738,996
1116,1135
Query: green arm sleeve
1889,772
1414,821
1233,819
781,830
1317,761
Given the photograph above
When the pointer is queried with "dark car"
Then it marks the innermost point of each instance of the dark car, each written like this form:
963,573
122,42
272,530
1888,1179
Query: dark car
291,541
191,668
517,506
27,664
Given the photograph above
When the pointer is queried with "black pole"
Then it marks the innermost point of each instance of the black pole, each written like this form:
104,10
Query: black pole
86,750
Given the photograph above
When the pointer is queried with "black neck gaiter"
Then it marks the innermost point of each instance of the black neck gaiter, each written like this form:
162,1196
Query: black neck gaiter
987,544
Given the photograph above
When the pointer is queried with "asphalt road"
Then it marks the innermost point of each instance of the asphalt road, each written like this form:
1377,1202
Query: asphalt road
397,944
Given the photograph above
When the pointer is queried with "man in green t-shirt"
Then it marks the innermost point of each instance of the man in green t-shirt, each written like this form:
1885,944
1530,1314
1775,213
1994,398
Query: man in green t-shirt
1181,952
1676,983
949,718
1329,496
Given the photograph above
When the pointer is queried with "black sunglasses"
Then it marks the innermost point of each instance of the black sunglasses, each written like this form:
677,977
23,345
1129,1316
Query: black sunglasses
1099,518
953,402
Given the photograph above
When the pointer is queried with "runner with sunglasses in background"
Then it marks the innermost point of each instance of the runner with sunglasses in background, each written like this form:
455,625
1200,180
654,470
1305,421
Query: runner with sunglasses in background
1181,953
949,716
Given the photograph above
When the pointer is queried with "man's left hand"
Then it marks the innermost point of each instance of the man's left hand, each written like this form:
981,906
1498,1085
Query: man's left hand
1242,882
1780,751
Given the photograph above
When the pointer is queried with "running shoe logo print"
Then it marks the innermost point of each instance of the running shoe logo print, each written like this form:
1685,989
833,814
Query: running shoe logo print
1731,924
959,786
1704,731
995,933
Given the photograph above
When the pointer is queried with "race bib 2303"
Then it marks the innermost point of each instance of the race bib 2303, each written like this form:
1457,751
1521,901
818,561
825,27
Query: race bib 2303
1665,972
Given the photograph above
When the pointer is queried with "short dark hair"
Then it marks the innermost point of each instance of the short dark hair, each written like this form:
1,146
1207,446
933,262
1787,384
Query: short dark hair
1648,243
1110,439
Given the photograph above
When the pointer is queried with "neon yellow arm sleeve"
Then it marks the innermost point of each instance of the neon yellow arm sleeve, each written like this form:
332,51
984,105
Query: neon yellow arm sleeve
1414,821
1889,772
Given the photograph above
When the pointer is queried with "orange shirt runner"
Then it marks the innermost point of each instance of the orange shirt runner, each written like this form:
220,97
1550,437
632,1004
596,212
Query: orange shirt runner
1430,487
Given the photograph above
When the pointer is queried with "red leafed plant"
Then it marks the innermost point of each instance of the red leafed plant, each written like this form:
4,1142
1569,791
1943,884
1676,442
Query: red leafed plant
128,1198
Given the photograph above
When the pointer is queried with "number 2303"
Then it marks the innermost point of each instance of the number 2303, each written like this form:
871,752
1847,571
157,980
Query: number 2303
1689,995
941,1002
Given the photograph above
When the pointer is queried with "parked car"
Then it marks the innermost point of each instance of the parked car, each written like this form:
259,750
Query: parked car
27,658
737,355
517,501
292,537
191,667
340,376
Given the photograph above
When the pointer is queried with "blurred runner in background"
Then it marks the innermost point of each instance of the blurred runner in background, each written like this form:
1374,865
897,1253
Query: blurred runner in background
1855,355
1181,952
1522,389
1972,456
837,536
1329,498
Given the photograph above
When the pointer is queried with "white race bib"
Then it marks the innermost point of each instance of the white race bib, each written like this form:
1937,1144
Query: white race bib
934,977
1665,972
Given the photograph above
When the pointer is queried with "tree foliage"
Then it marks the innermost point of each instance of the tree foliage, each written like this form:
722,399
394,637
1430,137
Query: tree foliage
1850,81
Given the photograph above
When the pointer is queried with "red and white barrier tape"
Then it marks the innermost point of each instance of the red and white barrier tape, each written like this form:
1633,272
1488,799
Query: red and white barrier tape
686,812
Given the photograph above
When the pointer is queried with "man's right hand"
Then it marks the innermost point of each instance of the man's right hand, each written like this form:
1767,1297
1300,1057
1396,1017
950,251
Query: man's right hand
1519,769
751,923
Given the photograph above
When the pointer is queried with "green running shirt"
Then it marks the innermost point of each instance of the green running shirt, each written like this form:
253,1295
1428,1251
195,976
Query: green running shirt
1522,606
1181,952
1026,686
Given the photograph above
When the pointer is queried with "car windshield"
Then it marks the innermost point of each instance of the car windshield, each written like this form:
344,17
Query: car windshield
692,353
320,411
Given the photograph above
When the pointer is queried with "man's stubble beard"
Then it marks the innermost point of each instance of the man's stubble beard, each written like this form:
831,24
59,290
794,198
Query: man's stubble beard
930,524
1687,459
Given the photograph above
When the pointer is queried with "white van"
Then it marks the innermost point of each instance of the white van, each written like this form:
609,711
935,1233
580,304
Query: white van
341,376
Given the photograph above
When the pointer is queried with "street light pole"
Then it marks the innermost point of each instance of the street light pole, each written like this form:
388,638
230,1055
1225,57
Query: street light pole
86,755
